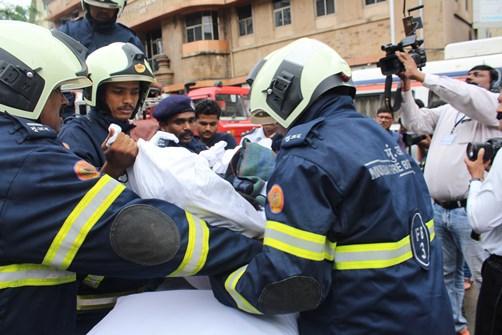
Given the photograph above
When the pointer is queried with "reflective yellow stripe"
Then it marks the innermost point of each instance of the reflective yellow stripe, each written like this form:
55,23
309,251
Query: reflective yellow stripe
294,241
93,280
316,247
89,210
19,275
230,285
98,301
197,247
375,255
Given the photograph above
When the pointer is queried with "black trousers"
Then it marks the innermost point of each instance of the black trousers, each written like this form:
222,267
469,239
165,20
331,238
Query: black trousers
489,308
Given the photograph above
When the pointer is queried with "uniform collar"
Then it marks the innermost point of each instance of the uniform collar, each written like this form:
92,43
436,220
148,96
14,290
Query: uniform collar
105,119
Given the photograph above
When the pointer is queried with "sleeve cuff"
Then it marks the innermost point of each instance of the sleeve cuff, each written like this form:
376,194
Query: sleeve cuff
474,186
431,80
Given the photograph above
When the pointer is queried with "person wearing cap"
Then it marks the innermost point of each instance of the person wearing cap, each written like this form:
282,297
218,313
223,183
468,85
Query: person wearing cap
176,115
60,216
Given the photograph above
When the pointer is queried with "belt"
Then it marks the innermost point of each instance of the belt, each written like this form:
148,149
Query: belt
452,204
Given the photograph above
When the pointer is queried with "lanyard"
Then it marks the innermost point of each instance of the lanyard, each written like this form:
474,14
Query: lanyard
457,122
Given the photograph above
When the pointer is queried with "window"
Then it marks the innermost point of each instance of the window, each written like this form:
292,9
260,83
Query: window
325,7
202,26
282,12
153,47
371,2
154,43
232,106
245,16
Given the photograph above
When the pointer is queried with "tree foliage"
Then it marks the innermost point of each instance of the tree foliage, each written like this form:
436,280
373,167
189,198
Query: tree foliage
18,13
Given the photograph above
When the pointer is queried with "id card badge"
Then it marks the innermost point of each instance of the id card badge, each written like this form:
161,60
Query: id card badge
448,139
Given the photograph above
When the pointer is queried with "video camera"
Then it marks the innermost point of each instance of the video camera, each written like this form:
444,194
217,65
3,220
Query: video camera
491,147
390,64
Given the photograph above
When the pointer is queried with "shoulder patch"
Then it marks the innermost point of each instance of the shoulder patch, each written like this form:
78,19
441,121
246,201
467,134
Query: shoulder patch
297,135
85,170
276,199
34,130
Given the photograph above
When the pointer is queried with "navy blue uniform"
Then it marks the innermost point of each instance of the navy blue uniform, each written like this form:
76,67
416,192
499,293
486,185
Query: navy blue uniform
93,37
59,216
96,294
194,145
82,30
84,135
349,239
227,137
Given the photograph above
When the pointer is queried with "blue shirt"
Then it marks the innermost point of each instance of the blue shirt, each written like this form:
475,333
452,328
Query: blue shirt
82,30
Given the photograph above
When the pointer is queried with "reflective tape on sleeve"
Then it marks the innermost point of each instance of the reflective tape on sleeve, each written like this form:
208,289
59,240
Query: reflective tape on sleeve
19,275
315,247
77,225
375,255
93,280
197,247
230,286
99,301
294,241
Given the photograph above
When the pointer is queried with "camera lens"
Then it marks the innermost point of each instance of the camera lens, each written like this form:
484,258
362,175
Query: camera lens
471,152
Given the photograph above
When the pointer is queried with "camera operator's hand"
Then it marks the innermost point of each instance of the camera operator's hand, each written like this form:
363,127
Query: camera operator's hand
411,71
477,168
120,155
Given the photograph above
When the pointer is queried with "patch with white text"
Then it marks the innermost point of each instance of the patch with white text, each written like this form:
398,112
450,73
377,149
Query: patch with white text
276,199
85,171
420,241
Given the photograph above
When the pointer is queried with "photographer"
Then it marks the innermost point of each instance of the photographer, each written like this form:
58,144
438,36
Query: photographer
468,116
483,209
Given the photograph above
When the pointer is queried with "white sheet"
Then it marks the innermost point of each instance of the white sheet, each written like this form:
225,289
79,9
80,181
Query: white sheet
187,312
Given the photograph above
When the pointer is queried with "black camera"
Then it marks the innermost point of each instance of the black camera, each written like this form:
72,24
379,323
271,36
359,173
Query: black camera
412,139
390,64
491,147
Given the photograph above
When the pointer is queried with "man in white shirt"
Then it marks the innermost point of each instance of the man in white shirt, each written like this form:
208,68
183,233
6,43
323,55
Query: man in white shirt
468,116
483,209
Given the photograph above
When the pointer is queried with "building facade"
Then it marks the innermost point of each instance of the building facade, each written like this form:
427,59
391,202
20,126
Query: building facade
205,41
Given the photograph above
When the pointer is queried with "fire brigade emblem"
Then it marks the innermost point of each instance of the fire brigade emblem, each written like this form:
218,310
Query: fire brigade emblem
420,241
140,68
85,171
276,199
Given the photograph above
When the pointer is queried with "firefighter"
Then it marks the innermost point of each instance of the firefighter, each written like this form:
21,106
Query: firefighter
99,26
349,239
60,216
121,79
